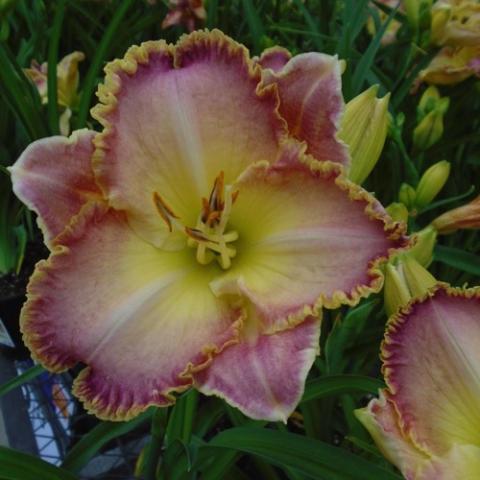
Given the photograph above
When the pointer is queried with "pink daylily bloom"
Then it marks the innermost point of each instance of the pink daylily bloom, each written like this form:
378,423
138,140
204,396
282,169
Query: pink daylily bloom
194,241
427,422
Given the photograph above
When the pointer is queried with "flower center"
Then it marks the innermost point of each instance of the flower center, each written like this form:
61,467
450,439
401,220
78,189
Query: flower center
210,236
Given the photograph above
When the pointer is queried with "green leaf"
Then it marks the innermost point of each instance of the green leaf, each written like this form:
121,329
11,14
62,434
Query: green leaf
97,61
368,57
52,106
255,25
16,465
21,379
94,440
457,258
311,457
312,24
181,418
332,385
447,201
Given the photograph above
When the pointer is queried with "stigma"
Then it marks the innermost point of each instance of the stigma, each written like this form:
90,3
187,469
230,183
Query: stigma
210,236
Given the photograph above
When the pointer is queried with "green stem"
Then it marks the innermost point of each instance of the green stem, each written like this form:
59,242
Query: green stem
156,443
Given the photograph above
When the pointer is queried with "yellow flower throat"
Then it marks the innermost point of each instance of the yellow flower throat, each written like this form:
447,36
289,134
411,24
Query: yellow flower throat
209,236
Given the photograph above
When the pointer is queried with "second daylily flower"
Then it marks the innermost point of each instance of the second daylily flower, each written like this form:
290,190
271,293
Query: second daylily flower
195,240
427,421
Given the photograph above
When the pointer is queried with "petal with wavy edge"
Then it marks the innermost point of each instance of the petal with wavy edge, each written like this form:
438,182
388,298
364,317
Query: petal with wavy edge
264,376
139,318
274,58
175,117
381,420
307,238
54,178
431,357
310,89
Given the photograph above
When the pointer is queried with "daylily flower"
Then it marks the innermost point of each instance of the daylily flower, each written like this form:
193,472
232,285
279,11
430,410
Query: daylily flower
467,216
195,240
67,84
451,65
188,13
456,22
427,421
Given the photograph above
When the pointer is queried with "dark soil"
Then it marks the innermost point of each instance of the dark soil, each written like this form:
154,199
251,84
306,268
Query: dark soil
12,285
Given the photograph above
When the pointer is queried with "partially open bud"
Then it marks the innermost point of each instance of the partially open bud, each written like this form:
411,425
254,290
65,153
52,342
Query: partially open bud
432,181
407,195
405,279
425,241
466,216
364,129
428,101
441,13
398,211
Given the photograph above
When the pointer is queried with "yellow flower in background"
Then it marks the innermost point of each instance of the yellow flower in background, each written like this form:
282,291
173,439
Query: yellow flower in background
432,181
456,23
452,65
390,34
67,84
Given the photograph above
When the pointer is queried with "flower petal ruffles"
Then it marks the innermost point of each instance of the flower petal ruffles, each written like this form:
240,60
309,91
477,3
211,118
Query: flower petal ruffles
311,101
175,117
54,178
139,318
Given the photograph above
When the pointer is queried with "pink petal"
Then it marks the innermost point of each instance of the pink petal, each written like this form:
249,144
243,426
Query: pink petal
139,318
264,376
310,89
431,358
54,178
175,117
274,58
308,239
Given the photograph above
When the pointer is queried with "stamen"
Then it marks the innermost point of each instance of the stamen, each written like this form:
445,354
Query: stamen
208,236
164,210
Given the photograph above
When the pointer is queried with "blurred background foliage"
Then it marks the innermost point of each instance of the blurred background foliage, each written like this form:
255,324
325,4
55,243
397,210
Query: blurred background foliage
202,437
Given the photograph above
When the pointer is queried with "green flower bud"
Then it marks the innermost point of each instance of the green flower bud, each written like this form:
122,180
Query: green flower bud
432,181
405,279
398,211
406,195
422,251
364,130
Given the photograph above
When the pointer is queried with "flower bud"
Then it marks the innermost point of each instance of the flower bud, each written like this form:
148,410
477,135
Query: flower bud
364,130
466,216
398,211
441,13
431,183
395,292
418,279
405,279
430,129
425,241
428,101
406,195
